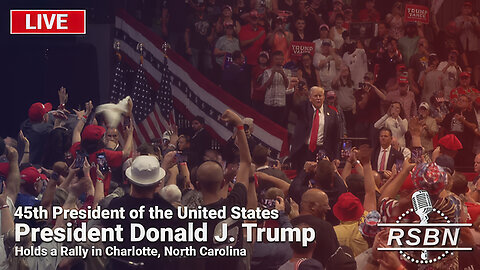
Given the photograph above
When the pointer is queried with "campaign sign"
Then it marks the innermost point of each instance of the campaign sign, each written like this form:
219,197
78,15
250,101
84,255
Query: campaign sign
417,13
297,48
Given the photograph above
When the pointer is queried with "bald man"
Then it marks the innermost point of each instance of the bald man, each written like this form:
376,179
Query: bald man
313,207
210,180
315,202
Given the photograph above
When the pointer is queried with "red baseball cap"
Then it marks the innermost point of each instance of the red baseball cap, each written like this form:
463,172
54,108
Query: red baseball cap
30,175
38,110
450,142
463,74
348,207
93,133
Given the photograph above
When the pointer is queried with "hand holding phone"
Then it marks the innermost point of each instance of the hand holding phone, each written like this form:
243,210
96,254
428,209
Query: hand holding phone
417,153
102,163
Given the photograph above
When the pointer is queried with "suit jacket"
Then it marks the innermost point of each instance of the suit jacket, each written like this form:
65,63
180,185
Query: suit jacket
394,155
332,129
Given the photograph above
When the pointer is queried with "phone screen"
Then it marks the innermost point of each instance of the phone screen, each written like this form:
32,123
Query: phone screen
79,159
346,148
399,164
268,203
126,121
180,157
321,155
102,163
417,155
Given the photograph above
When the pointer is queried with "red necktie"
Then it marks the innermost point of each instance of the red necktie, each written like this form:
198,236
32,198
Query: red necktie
382,161
314,134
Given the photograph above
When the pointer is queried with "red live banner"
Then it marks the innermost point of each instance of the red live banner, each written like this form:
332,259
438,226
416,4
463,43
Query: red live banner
416,13
297,48
48,22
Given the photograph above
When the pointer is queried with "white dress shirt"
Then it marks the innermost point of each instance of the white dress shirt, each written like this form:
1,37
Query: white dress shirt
379,161
321,125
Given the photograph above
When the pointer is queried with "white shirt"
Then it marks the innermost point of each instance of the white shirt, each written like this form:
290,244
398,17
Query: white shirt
321,125
387,153
357,62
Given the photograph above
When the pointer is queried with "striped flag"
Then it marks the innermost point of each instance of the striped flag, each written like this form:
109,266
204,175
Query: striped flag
164,94
149,122
192,94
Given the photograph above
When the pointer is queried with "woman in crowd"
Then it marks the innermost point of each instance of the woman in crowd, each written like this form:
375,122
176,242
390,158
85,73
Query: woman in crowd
307,71
227,19
337,30
343,86
395,120
396,21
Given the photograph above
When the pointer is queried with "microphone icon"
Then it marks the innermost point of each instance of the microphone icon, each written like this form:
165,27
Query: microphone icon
422,205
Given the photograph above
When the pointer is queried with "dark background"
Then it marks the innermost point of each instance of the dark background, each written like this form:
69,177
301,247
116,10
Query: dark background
34,67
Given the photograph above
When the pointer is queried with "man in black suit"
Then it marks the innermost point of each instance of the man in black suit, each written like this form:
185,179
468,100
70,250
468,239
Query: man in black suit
385,156
200,142
312,136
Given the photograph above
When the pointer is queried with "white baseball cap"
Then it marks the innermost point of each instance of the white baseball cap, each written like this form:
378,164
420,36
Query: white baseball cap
424,105
145,171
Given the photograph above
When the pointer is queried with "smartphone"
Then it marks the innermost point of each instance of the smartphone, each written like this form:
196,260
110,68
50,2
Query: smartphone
399,164
102,163
321,155
126,121
180,157
268,203
80,159
346,149
417,155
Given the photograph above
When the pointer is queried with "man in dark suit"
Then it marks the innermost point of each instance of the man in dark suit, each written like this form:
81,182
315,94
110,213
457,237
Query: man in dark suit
385,156
317,129
200,142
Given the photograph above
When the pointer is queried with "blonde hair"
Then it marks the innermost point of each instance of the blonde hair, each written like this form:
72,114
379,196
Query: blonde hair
317,88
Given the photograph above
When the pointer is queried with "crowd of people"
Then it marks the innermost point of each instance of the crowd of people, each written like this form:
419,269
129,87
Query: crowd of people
382,78
407,93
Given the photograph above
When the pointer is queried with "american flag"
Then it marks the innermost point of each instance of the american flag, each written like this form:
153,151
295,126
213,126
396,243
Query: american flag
149,122
164,94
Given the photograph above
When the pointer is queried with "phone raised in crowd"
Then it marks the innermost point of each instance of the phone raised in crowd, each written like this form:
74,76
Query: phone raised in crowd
346,149
102,163
399,164
126,121
417,153
321,155
80,159
180,157
268,203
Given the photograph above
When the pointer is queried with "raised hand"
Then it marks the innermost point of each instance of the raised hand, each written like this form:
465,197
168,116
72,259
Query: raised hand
364,154
231,117
414,126
62,95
